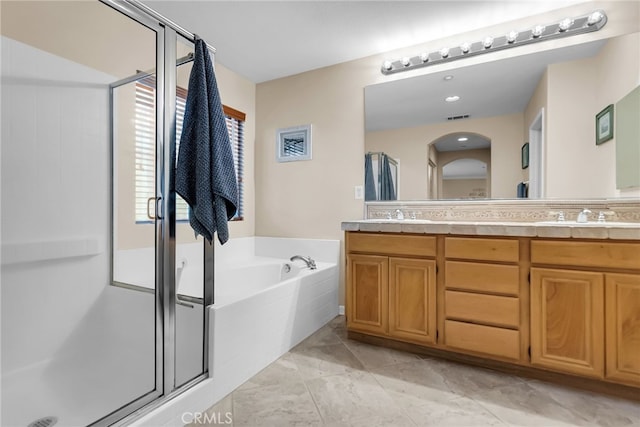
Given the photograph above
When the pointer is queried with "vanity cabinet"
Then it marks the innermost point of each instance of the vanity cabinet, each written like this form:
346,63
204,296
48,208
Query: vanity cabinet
391,286
585,308
482,296
545,306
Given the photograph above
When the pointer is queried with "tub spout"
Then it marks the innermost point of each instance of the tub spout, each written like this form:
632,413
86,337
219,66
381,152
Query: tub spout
307,259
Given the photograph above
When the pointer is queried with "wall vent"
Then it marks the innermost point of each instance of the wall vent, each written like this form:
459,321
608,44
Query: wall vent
464,116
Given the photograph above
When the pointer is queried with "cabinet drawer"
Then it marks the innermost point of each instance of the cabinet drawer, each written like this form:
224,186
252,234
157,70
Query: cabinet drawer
587,254
506,250
489,309
391,244
482,339
500,279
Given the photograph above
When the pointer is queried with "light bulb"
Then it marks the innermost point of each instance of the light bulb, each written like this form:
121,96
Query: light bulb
406,61
465,47
537,31
565,24
424,57
595,17
444,52
512,36
487,42
387,65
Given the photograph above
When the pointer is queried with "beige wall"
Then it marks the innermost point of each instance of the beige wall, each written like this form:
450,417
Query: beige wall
410,145
463,188
576,92
537,104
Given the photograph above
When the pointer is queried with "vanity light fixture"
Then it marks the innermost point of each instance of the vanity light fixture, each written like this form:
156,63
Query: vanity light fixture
565,24
597,17
538,30
564,28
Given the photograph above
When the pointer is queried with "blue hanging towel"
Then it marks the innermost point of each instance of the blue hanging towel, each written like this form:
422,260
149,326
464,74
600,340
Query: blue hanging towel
369,184
205,175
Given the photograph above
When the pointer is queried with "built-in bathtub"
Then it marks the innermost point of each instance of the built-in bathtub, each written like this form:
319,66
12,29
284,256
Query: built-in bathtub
264,305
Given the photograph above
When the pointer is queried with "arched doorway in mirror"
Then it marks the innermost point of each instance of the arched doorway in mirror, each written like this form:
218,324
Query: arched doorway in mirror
461,164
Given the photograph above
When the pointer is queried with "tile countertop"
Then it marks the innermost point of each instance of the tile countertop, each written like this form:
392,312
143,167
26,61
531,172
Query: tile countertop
549,229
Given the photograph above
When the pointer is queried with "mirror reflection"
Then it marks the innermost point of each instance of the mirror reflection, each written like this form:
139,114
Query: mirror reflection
459,134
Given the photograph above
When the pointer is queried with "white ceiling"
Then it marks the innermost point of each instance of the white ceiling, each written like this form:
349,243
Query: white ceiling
266,40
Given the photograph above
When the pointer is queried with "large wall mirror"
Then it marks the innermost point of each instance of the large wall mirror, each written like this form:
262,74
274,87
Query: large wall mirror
459,134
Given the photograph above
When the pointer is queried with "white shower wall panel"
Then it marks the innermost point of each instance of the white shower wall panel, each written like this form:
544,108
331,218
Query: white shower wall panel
55,194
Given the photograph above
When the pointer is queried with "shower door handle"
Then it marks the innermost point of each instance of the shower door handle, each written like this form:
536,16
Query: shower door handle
156,216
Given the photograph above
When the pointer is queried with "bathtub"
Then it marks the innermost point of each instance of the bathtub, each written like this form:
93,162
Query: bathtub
264,305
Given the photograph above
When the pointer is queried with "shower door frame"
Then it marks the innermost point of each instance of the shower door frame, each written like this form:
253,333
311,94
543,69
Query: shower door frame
167,34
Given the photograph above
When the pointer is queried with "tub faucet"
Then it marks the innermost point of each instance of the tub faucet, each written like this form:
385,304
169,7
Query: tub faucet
307,259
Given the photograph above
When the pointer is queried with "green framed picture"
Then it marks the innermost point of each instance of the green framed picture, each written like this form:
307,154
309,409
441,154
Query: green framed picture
604,125
525,155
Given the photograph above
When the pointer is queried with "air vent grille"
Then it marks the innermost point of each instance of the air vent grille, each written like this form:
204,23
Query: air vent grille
464,116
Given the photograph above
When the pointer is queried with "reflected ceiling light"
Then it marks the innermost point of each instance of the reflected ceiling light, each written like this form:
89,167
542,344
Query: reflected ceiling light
452,98
448,77
463,139
566,27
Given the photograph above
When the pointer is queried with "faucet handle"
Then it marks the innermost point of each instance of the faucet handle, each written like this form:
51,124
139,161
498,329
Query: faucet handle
603,214
399,214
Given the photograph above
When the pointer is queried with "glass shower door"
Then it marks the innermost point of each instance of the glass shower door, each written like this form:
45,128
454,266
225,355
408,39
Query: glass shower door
77,350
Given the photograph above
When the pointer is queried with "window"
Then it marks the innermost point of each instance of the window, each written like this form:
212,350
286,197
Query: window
145,149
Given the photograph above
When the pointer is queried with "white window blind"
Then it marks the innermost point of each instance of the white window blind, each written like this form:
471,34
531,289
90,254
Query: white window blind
145,147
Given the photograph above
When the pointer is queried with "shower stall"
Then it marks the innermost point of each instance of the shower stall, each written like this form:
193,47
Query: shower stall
94,328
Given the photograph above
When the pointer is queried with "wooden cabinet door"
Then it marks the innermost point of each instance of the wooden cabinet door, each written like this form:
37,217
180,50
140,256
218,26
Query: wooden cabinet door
567,321
622,319
367,293
412,299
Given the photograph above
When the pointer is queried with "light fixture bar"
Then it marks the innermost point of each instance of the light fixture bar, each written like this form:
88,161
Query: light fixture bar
564,28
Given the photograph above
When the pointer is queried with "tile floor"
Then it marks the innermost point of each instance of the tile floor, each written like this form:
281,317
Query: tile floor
329,380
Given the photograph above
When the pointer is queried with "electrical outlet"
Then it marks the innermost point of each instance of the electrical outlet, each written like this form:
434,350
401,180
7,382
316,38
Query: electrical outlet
359,192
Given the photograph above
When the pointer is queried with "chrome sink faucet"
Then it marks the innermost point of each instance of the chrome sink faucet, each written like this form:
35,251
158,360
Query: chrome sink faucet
307,259
583,216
